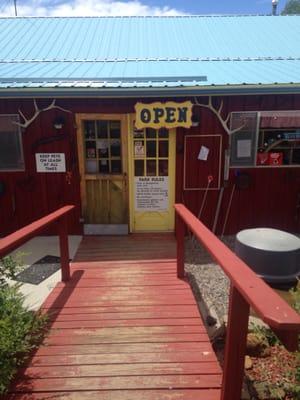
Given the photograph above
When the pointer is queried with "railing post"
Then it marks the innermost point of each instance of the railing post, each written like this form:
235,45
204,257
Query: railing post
235,348
64,249
180,230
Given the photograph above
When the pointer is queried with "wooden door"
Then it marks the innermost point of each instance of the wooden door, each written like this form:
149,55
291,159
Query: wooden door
102,149
152,179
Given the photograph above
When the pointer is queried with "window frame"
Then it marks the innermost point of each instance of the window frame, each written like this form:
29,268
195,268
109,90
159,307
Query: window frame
259,130
19,132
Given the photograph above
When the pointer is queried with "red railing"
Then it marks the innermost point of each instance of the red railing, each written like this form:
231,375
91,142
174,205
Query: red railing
247,290
13,241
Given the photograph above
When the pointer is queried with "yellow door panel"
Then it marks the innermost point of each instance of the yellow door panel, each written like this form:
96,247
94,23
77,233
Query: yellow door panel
152,179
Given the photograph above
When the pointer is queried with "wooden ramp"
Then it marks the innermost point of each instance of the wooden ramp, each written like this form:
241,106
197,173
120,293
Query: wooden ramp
124,328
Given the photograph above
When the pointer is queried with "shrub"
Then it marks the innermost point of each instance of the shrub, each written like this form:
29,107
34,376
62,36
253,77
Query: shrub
20,329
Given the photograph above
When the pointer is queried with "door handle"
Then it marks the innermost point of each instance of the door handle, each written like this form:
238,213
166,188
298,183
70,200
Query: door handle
68,177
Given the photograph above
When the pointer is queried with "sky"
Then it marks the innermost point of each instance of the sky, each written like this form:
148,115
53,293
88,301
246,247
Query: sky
135,7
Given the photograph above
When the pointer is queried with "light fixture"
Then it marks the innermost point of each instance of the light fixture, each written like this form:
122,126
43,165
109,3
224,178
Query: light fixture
195,120
58,123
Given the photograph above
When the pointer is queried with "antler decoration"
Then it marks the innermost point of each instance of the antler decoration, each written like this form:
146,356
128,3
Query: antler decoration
37,112
218,113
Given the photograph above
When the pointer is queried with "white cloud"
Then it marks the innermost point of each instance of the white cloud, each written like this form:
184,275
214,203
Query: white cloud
87,8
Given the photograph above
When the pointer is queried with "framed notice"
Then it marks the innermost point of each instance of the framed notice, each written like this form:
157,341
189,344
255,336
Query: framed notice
50,162
243,142
151,193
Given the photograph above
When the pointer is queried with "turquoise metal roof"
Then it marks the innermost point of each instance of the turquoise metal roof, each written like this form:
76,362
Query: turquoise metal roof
135,53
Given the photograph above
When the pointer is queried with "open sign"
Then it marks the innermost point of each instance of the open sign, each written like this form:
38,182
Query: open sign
163,115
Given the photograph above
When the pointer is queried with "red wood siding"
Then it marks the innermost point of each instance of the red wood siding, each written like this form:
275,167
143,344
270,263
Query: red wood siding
271,198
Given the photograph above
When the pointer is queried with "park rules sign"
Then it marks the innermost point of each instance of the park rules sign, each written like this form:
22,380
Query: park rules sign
163,115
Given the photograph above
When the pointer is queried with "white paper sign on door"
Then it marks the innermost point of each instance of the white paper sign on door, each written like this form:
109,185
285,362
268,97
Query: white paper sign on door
151,193
50,162
203,153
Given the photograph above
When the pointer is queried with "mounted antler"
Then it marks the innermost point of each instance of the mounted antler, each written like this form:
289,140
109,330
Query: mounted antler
218,113
37,112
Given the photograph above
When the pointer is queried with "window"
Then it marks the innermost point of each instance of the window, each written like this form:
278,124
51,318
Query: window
102,140
243,143
11,149
266,138
151,152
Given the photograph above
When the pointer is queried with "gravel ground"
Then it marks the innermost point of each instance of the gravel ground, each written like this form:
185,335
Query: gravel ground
209,283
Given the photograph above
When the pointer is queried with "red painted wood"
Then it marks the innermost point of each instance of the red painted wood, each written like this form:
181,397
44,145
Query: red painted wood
157,394
133,338
121,383
267,303
200,348
236,338
131,282
14,240
126,358
271,197
180,231
191,313
197,171
122,309
11,242
135,369
247,289
64,249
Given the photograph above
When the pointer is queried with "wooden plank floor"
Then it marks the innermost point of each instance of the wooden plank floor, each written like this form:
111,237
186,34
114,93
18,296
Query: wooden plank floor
123,328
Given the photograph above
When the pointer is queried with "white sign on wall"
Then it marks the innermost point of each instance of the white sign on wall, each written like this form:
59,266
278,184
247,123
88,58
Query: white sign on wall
151,193
50,162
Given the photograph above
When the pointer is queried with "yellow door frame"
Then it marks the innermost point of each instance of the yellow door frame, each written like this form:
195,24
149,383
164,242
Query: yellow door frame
123,118
172,174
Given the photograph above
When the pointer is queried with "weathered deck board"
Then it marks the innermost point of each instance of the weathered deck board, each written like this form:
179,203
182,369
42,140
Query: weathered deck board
124,327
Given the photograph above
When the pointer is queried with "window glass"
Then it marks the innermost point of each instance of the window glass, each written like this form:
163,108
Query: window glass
150,133
104,166
151,148
102,141
11,150
151,168
163,133
163,168
89,129
115,129
163,148
139,168
102,129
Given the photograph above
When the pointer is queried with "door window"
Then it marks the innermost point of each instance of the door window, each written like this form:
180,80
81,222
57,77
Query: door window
102,144
151,152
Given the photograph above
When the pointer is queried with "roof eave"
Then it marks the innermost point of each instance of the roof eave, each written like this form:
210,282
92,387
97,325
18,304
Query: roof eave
88,92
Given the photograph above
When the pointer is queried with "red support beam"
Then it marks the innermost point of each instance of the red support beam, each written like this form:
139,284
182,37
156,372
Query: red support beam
16,239
64,249
180,231
235,348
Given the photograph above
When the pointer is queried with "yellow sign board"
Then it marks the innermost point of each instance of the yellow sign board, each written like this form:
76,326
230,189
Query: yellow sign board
163,115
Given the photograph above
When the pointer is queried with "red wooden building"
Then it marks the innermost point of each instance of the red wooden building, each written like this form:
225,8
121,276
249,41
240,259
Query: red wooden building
69,91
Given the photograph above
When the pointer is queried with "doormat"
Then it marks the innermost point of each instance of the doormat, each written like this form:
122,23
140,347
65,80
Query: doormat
40,270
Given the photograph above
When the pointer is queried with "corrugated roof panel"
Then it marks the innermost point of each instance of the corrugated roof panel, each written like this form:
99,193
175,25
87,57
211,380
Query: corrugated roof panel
198,73
148,37
154,51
